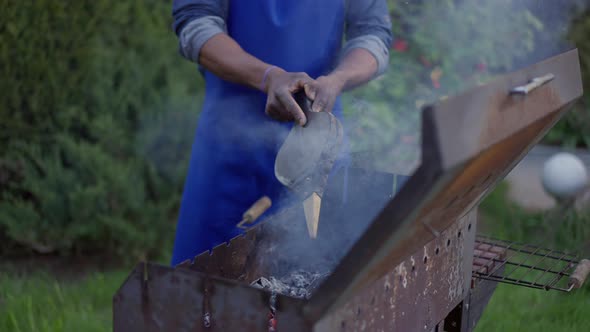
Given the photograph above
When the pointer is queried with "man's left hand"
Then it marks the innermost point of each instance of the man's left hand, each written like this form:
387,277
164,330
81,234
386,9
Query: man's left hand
323,92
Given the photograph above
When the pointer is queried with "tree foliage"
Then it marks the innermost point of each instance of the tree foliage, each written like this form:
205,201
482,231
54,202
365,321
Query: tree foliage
440,48
83,167
574,129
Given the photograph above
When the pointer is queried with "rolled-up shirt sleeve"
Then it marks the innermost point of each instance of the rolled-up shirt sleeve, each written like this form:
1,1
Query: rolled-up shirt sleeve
368,26
197,21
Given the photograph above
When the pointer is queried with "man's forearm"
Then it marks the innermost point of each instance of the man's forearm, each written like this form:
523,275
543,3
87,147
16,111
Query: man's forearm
357,67
226,59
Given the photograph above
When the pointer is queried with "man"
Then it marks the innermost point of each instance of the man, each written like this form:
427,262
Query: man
255,54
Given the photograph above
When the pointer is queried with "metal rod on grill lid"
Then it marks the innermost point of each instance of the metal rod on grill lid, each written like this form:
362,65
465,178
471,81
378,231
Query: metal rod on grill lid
532,85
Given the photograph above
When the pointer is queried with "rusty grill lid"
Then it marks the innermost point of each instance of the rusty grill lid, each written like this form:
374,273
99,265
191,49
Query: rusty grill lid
469,143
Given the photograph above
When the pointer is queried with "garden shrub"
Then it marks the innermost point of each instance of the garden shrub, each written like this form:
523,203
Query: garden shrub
83,169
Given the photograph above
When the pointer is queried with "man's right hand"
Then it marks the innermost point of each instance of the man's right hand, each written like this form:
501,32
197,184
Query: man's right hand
280,87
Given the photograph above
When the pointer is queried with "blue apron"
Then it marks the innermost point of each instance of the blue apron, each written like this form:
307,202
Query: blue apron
232,161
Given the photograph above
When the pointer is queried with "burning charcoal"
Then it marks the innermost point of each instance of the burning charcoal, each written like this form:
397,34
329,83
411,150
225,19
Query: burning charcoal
299,284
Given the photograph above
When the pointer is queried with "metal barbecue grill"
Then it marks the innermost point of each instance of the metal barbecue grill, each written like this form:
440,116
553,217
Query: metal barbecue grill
417,264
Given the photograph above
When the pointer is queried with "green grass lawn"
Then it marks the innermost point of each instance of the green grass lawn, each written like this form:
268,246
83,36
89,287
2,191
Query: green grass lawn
39,303
518,309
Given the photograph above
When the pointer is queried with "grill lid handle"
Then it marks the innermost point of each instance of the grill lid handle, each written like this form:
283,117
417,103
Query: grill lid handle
532,85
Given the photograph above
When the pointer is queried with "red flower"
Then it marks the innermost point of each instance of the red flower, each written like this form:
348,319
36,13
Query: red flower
400,45
481,67
425,61
435,76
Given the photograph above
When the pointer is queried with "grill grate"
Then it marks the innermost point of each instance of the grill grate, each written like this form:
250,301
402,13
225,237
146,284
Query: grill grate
522,264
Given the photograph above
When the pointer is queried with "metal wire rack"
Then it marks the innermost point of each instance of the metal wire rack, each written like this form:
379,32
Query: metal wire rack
522,264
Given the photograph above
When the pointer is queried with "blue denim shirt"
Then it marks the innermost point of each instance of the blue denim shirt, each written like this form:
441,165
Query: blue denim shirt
367,26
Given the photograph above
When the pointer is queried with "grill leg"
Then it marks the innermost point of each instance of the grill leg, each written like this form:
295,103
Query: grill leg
466,314
453,321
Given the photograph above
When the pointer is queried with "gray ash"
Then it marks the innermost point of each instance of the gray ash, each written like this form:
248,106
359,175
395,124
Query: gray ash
299,284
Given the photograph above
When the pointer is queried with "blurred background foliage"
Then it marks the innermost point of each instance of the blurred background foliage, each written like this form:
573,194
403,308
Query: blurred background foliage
98,113
99,110
443,47
574,129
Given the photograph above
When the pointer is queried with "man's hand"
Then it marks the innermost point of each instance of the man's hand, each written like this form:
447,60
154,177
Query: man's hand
280,87
324,91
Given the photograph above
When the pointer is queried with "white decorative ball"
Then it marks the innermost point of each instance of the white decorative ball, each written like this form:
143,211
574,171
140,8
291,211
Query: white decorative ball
564,175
